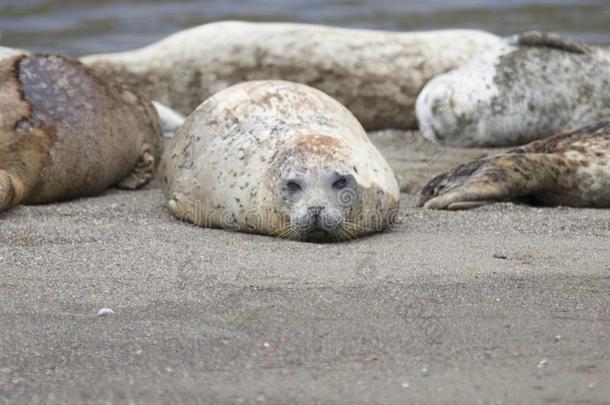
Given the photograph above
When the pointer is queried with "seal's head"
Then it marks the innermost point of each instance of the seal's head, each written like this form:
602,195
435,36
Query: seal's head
317,190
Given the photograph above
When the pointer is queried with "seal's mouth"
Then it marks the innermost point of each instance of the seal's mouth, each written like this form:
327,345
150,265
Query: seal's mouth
319,235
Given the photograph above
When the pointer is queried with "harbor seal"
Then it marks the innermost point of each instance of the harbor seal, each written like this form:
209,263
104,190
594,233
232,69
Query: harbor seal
571,168
540,85
65,133
281,159
375,74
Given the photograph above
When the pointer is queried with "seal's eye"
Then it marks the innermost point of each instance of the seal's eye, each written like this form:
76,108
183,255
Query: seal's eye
293,186
341,183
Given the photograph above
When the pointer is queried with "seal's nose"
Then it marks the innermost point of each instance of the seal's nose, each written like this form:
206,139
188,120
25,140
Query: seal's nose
315,210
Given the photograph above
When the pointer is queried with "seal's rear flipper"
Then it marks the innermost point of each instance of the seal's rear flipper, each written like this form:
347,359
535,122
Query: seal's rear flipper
6,53
474,194
7,192
171,120
142,172
549,40
503,177
467,205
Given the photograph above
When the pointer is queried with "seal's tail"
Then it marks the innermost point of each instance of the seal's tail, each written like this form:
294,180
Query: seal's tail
549,40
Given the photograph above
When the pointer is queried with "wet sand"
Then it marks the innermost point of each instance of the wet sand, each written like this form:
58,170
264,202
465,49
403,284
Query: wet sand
504,304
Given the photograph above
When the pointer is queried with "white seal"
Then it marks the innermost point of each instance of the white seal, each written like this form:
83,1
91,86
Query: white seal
375,74
6,53
540,85
278,158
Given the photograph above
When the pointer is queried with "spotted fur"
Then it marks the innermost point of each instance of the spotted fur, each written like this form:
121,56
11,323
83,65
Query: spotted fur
231,164
534,87
375,74
570,168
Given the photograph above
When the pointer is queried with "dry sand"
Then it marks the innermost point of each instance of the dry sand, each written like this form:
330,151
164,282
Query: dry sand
504,304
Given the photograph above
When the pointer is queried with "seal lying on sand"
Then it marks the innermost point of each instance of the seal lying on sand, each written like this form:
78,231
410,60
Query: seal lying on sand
65,133
543,85
281,159
571,168
375,74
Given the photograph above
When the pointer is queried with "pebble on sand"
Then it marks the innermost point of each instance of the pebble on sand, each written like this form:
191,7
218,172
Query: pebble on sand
105,312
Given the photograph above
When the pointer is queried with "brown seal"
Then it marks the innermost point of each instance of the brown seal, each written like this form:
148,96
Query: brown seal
65,133
570,168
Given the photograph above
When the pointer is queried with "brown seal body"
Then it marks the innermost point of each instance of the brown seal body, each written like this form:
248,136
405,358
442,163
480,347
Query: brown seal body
65,133
570,168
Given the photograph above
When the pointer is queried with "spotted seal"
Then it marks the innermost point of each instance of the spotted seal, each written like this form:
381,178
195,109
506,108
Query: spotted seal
539,85
66,133
278,158
571,168
375,74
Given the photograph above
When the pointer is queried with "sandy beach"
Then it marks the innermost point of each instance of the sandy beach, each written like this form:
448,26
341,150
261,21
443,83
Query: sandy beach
504,304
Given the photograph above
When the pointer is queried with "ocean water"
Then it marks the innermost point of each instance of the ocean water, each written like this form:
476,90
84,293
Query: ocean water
78,27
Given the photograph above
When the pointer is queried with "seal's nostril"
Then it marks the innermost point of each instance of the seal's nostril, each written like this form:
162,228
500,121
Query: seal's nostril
315,210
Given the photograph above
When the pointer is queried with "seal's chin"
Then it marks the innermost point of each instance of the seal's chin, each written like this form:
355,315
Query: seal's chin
324,234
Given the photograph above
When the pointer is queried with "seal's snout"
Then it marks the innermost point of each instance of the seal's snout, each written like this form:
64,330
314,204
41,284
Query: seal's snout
315,211
446,114
324,218
434,114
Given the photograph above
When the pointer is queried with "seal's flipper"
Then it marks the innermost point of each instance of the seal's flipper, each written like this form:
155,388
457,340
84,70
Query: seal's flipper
171,120
471,195
467,205
499,178
23,154
6,191
6,53
9,191
142,172
550,40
